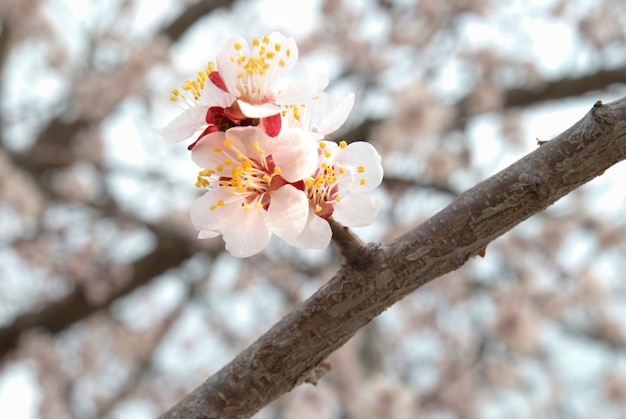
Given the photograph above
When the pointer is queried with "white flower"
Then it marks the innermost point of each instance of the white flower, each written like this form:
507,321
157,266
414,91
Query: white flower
243,88
251,75
339,188
255,186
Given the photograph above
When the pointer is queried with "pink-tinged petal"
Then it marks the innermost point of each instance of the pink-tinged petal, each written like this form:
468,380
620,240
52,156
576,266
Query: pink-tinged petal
213,96
227,63
288,211
295,152
203,152
258,111
243,139
185,124
299,91
335,115
246,232
356,210
203,218
316,234
360,156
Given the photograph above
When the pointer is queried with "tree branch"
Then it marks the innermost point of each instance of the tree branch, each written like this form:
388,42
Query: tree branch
283,356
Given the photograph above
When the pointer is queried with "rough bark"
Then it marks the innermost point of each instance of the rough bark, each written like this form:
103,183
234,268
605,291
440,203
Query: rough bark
290,351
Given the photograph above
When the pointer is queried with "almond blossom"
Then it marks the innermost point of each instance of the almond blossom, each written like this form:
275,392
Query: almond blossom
255,186
242,88
338,187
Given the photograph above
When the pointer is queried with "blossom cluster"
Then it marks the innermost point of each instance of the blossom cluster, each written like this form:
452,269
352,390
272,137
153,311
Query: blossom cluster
265,164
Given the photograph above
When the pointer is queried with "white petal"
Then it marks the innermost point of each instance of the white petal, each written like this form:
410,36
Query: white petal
295,152
302,90
185,124
286,51
359,154
203,153
288,211
203,218
246,232
258,111
205,234
336,116
316,234
227,62
214,96
356,210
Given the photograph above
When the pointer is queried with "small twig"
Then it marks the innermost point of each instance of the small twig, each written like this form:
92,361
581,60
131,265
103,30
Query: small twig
352,247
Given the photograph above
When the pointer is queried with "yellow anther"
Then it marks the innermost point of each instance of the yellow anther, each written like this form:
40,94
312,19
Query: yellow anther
322,145
217,149
237,46
228,143
277,171
342,170
343,144
360,169
362,181
277,47
318,209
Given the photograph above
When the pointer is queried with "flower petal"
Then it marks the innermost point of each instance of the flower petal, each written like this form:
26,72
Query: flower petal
246,232
227,62
315,235
258,111
288,211
303,90
185,124
360,155
335,115
204,154
214,96
203,218
356,210
295,152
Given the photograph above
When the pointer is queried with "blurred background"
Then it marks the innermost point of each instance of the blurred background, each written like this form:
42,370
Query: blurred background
111,308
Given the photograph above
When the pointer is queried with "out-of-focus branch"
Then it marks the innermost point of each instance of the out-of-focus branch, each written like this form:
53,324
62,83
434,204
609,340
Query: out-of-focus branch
170,251
564,88
282,357
191,15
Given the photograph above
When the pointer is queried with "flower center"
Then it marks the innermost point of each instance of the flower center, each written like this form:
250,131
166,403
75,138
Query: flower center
250,179
257,71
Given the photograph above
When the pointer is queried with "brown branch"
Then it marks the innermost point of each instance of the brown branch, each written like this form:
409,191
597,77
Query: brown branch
351,246
282,357
564,88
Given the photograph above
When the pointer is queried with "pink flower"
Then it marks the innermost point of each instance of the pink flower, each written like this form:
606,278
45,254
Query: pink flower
255,186
338,188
